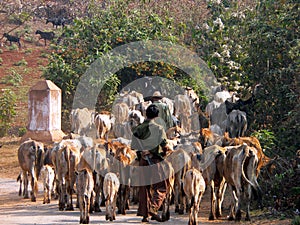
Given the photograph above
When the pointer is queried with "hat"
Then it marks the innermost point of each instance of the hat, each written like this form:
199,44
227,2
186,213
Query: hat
155,95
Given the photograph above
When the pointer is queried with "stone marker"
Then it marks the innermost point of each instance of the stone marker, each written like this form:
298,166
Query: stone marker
44,113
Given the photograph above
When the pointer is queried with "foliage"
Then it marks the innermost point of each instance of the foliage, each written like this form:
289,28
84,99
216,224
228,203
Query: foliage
1,60
296,220
111,28
244,43
12,47
266,139
7,110
14,78
247,46
22,62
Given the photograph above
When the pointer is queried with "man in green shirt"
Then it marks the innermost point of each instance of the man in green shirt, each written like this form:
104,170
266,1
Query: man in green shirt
149,139
164,117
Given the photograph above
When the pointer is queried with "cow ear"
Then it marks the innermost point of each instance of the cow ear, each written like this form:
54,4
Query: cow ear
76,173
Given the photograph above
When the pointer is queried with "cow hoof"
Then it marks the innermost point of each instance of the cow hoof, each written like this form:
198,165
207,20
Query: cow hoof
230,218
211,217
176,209
181,212
98,210
70,208
33,199
106,217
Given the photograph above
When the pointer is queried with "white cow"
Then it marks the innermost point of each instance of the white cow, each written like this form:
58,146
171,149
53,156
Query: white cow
111,186
104,124
48,176
82,120
222,96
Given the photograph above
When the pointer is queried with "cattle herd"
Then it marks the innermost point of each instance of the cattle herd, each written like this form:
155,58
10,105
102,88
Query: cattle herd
95,163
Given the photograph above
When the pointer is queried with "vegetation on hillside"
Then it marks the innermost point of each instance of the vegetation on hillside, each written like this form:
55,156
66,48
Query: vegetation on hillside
242,44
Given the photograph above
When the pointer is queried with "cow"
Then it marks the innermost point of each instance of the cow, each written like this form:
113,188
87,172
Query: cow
67,158
222,96
211,106
82,121
120,111
182,105
211,165
194,187
31,160
169,173
219,116
180,161
209,138
193,97
263,160
94,159
104,124
239,171
236,123
120,162
48,175
85,186
111,186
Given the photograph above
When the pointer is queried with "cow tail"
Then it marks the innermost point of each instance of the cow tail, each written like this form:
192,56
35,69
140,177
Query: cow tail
246,154
67,158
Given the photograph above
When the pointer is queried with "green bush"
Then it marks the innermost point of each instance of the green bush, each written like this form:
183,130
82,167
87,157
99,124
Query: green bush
22,131
12,47
22,62
296,220
1,51
1,60
7,110
14,78
266,139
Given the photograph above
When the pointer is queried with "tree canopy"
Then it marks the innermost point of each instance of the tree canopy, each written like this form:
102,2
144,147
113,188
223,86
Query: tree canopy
243,44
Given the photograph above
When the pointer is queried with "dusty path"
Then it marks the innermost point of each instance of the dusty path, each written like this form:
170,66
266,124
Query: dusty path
15,210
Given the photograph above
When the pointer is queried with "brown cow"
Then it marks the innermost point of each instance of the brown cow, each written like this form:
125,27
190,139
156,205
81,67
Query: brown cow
211,165
85,185
67,158
123,156
263,160
94,159
31,160
194,187
239,171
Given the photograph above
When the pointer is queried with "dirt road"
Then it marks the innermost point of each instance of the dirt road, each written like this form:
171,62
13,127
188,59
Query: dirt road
15,210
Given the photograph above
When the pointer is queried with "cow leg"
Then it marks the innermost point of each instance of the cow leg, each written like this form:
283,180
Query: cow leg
212,215
176,193
237,197
81,208
114,205
69,199
25,191
45,194
34,186
62,194
248,199
220,198
232,203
